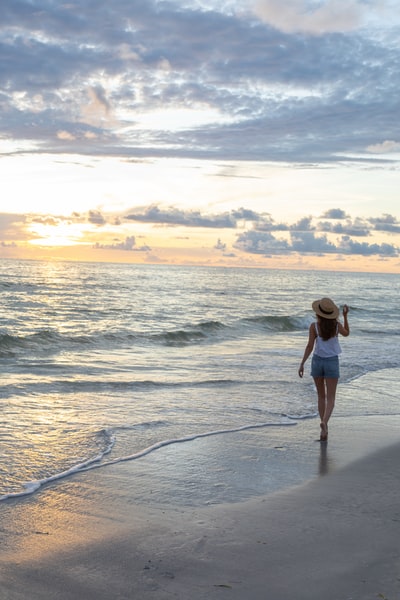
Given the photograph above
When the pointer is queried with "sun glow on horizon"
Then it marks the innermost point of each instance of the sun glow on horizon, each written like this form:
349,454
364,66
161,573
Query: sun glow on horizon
188,212
56,234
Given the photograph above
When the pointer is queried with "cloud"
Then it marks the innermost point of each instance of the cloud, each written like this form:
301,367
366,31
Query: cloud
114,80
267,223
220,245
98,110
307,242
12,227
245,214
188,218
303,224
357,228
387,223
294,16
96,218
334,213
47,220
256,232
349,246
193,218
305,234
65,135
258,242
384,147
128,245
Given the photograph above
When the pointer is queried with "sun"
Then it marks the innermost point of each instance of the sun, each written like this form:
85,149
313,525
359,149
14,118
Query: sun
56,233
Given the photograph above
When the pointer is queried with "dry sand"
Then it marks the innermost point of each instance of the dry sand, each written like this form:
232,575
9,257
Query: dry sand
337,538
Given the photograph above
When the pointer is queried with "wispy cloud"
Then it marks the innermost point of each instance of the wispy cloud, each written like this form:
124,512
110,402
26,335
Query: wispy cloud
12,227
312,17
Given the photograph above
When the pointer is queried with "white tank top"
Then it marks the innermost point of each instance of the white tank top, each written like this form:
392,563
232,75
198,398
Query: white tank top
327,348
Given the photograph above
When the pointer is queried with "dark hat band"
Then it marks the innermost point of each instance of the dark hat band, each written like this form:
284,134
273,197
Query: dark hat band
326,312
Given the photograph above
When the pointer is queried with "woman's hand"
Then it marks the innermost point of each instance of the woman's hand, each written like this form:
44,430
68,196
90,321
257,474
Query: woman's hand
301,370
345,310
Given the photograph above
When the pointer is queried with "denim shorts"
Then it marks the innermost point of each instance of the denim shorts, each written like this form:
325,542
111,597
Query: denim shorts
325,367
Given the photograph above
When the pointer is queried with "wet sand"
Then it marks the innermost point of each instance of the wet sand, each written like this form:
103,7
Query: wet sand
336,537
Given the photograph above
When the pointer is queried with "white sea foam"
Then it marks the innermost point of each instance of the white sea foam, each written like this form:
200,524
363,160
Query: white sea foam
96,462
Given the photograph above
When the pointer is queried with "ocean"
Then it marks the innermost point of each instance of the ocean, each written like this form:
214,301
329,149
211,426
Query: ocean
187,373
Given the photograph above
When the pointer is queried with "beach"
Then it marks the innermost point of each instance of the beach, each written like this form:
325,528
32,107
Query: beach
334,536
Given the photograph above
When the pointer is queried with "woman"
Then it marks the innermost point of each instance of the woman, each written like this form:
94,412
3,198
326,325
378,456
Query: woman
323,339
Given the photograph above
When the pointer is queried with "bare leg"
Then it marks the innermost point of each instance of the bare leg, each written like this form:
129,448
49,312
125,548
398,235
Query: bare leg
331,385
322,404
321,391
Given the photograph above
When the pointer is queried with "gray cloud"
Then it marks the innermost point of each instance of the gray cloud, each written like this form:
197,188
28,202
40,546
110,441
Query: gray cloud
128,244
188,218
220,245
307,242
74,77
349,246
96,218
303,225
267,223
386,223
357,228
334,213
262,222
258,242
227,220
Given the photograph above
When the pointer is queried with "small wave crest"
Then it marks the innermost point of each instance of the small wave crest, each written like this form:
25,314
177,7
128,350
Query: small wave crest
52,341
44,340
277,323
192,335
48,340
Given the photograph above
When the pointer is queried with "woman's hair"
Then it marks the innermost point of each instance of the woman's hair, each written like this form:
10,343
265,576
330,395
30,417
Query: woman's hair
327,327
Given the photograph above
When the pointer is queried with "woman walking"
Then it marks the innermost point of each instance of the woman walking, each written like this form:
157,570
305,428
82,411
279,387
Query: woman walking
323,338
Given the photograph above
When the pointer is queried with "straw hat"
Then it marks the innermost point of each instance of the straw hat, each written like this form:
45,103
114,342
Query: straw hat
326,308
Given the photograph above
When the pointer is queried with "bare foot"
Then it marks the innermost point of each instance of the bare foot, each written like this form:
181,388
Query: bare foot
324,432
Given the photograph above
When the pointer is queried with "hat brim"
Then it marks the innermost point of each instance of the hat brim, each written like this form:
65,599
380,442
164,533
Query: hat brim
318,311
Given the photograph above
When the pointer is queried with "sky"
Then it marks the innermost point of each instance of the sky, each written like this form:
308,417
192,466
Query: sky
250,133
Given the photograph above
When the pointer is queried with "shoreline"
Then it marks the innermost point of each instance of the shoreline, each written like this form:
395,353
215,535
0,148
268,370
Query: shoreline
336,536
